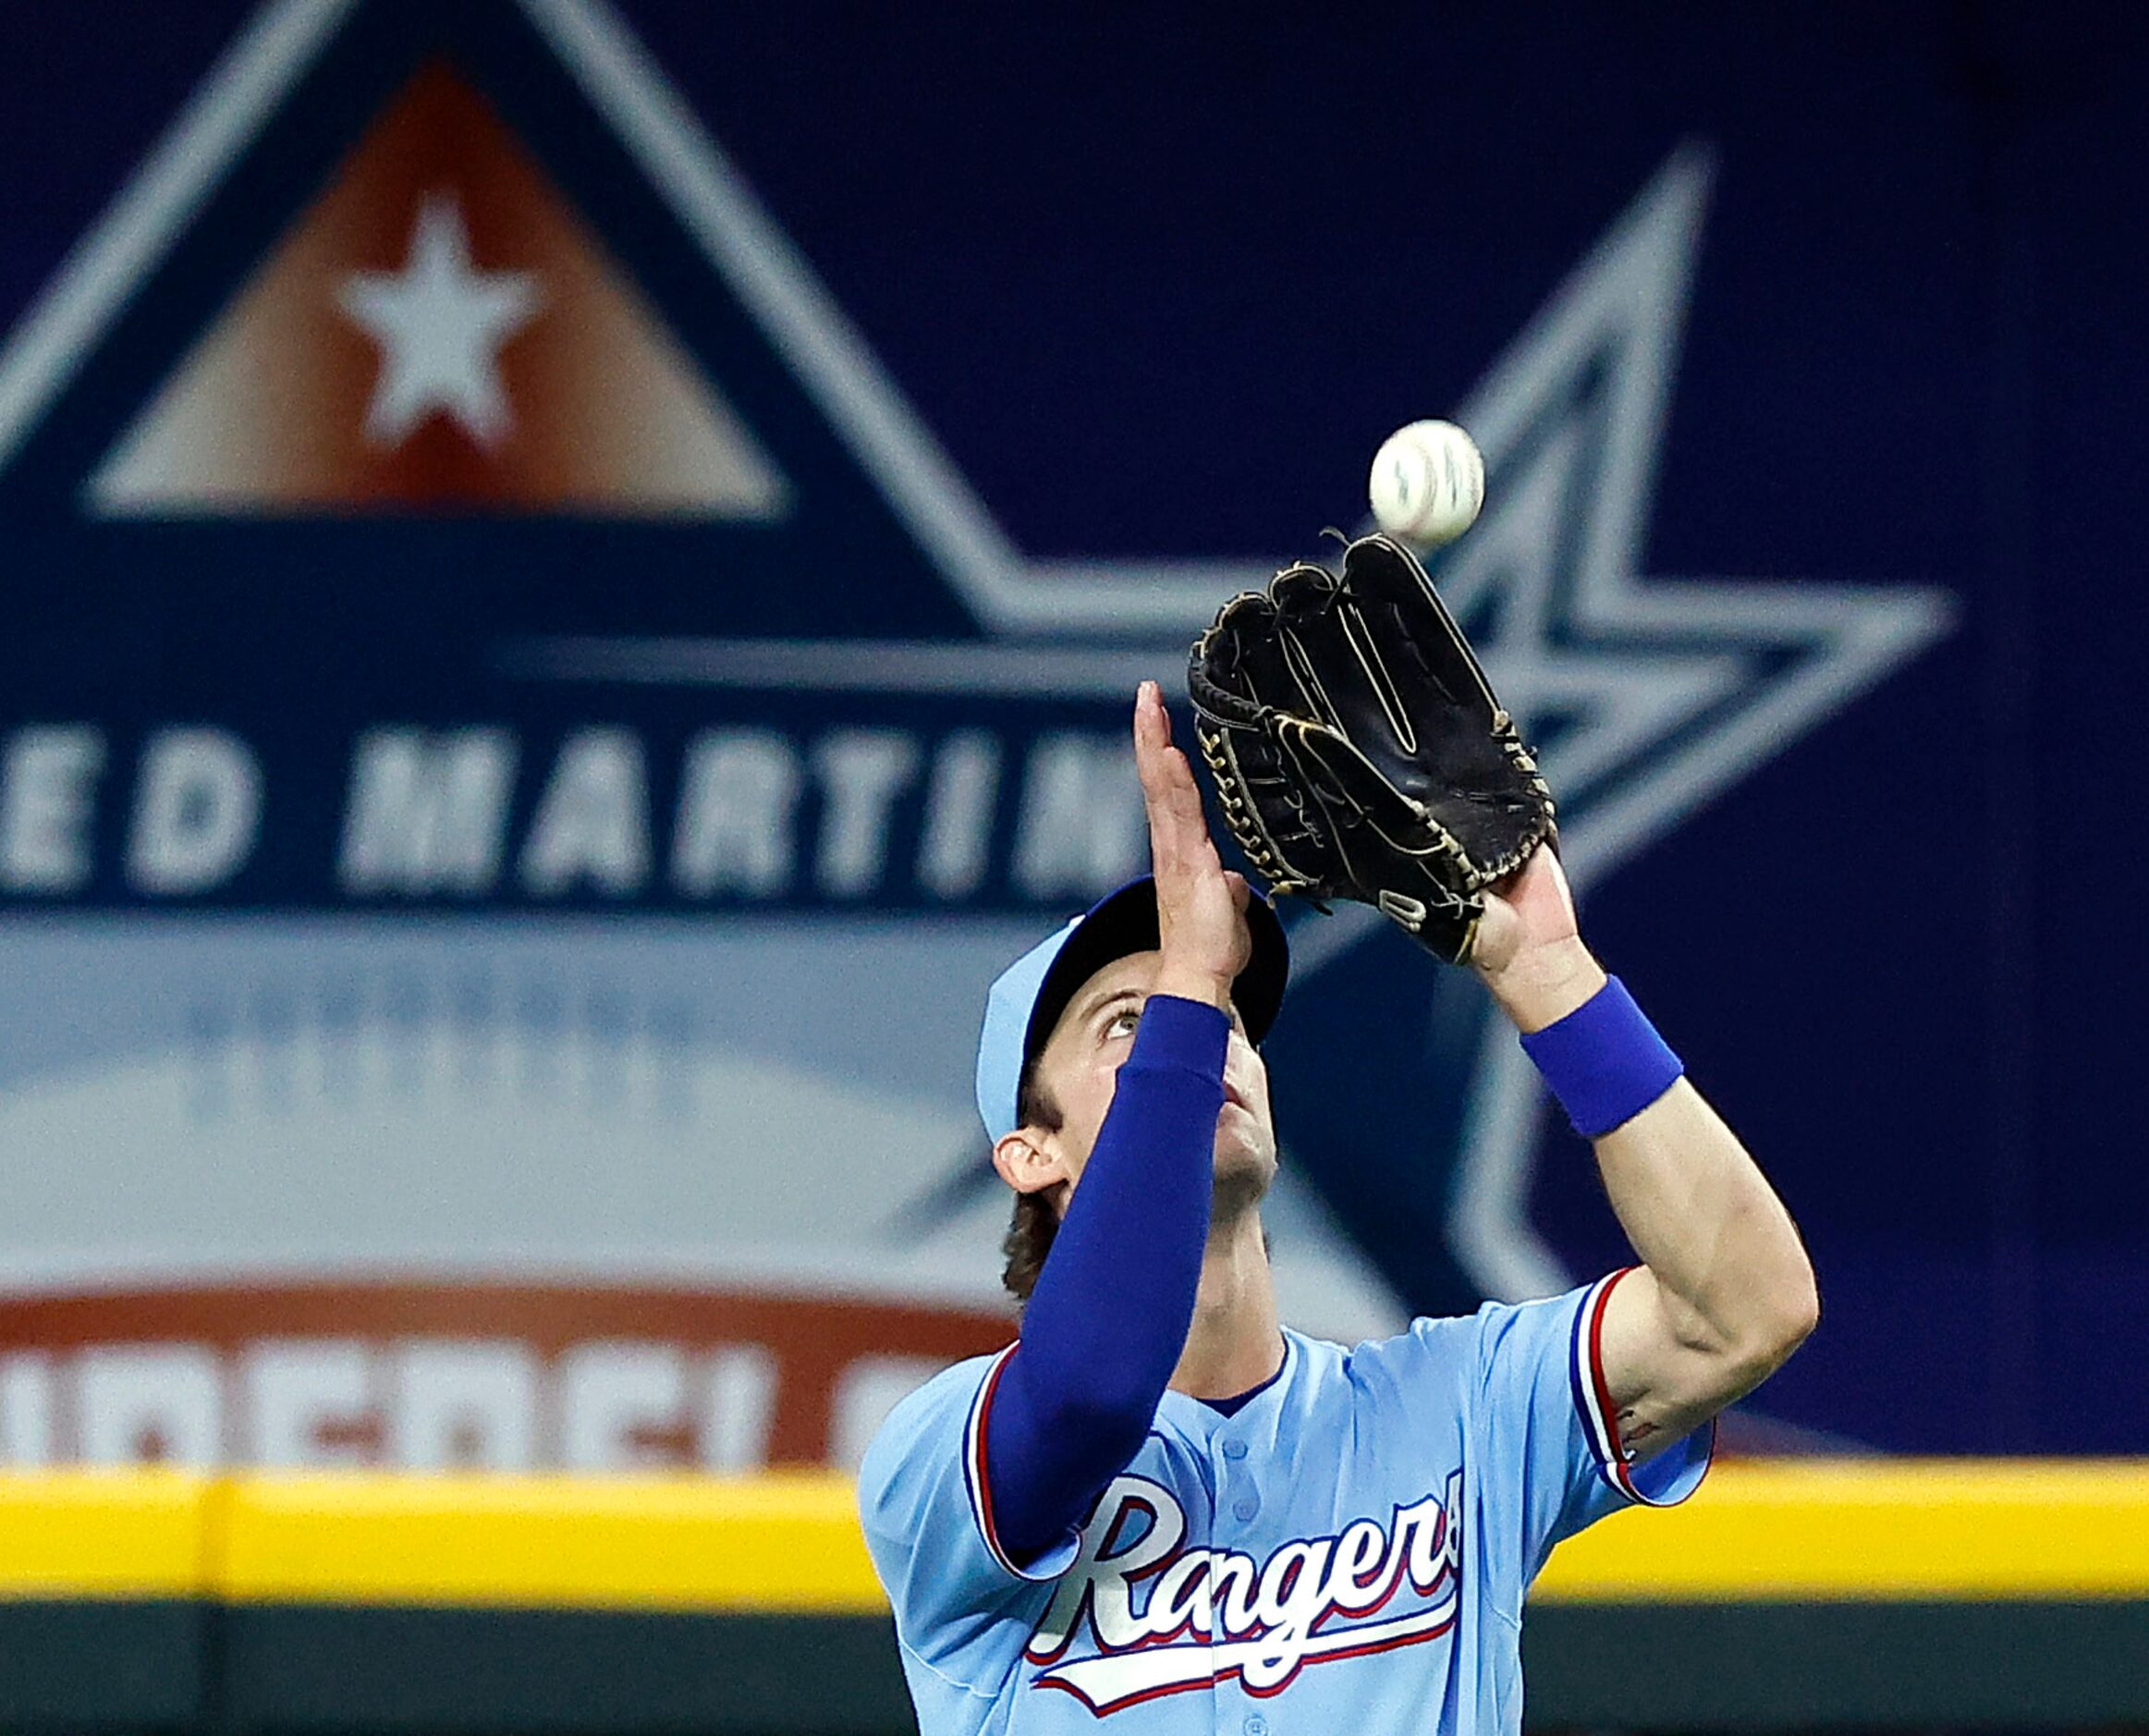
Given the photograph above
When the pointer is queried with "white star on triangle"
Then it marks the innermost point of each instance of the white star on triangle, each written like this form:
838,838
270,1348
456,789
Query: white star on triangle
440,323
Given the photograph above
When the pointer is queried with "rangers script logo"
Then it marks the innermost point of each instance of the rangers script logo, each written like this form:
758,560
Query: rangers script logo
1209,1614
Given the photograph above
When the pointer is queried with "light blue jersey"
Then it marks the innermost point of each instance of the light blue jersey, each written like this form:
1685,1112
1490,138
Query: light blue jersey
1349,1552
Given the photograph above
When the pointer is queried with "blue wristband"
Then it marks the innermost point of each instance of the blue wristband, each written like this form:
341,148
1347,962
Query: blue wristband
1604,1061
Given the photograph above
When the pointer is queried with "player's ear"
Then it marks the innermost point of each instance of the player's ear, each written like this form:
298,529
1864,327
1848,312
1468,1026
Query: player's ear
1028,1160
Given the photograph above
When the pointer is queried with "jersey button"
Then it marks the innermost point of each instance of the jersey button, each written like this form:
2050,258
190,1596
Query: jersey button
1247,1507
1256,1725
1234,1448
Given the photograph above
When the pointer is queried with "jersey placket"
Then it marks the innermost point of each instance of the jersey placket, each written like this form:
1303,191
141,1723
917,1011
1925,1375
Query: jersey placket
1237,1510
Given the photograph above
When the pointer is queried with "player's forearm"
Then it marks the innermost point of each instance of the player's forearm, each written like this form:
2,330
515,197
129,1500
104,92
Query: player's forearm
1109,1317
1117,1293
1736,1287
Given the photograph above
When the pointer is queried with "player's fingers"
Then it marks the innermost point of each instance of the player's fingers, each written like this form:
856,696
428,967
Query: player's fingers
1177,839
1153,757
1531,867
1177,821
1160,765
1146,737
1499,934
1166,829
1178,829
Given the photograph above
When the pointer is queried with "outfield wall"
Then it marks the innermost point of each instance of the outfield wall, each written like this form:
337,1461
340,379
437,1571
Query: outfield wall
1864,1594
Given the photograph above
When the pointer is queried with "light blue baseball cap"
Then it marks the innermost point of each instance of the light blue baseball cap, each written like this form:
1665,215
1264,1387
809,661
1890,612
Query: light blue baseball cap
1030,993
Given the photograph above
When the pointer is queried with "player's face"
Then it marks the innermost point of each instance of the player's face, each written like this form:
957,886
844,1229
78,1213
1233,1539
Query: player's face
1078,1066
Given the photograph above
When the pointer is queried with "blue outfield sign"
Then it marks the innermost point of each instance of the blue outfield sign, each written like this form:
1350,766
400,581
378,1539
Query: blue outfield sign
494,521
443,491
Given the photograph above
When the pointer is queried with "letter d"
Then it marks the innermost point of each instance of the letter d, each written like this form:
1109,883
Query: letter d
197,811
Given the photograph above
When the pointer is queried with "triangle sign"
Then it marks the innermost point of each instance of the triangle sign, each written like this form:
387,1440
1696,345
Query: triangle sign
438,330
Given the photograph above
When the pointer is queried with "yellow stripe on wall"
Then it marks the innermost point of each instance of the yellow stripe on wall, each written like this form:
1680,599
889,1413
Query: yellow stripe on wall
780,1543
1874,1529
1822,1530
68,1535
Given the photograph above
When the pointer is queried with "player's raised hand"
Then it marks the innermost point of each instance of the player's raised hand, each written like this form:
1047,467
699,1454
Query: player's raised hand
1201,906
1529,949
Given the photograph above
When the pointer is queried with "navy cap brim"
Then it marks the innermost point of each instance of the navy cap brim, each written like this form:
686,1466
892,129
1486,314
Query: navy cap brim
1125,921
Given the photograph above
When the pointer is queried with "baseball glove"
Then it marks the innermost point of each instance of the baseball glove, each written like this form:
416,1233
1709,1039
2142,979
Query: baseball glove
1359,752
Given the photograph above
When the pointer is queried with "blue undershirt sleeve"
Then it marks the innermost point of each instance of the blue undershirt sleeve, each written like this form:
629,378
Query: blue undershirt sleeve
1109,1317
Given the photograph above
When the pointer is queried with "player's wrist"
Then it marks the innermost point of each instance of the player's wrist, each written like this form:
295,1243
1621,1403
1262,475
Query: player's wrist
1542,984
1189,980
1605,1061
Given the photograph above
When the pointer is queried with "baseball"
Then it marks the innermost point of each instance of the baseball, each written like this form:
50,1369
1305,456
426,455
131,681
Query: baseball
1428,482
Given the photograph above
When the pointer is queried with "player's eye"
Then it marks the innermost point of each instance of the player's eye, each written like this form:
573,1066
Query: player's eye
1122,1021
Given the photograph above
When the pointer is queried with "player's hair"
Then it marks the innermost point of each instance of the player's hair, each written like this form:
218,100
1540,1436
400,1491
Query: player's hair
1035,1224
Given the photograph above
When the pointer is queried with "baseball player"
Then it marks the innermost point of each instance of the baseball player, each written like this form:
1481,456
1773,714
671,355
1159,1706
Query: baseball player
1161,1509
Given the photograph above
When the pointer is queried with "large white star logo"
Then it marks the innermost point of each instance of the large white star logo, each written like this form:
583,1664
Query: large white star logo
440,323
